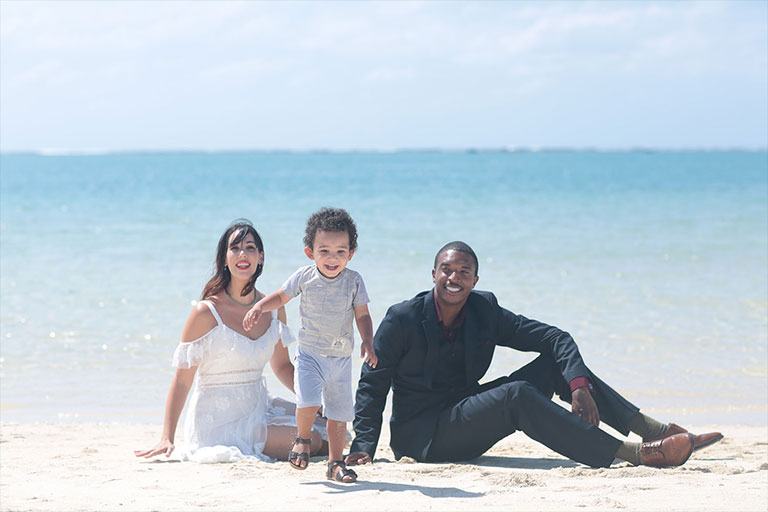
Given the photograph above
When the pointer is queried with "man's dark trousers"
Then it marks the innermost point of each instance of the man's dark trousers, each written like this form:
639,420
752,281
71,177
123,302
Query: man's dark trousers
523,401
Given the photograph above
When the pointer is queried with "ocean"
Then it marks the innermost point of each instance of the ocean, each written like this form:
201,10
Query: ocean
655,262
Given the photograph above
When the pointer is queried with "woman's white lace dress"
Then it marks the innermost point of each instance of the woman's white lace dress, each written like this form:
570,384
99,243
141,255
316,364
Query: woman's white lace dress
230,408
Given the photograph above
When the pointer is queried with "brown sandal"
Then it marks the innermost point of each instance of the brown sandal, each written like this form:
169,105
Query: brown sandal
339,476
295,458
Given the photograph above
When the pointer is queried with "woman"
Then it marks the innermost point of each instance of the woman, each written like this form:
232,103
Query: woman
230,414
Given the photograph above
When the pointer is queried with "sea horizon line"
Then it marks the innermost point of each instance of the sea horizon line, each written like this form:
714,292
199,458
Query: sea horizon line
396,150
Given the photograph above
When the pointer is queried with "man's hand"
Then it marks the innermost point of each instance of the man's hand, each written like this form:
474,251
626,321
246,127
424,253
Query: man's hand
584,406
357,458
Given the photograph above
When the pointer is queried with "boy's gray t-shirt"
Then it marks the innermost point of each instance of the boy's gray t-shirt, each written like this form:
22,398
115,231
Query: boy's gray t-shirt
327,308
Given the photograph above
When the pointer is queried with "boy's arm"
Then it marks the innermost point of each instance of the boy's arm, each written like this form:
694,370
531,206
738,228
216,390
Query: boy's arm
271,302
365,327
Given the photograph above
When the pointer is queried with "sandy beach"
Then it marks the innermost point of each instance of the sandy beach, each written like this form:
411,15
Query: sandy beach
83,466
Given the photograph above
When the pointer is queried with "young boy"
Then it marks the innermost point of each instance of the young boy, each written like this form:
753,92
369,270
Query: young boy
331,295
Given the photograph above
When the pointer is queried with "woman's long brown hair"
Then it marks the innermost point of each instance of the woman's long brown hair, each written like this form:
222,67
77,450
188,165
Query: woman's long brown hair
221,276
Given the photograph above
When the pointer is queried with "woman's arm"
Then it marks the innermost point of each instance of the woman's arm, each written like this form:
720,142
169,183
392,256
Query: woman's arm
177,396
200,321
281,362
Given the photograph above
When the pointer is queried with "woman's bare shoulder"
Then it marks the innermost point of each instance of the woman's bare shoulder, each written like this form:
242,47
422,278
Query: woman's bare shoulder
199,323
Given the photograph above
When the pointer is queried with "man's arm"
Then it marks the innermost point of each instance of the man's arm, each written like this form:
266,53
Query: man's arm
373,387
521,333
524,334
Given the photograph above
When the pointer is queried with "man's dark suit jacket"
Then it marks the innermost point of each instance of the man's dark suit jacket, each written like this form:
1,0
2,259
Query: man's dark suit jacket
407,346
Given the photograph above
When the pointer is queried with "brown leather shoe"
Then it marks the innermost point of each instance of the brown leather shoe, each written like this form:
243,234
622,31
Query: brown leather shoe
670,451
699,440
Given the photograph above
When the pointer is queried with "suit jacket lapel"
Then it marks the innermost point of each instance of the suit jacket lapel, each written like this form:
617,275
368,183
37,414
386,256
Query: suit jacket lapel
475,334
432,334
470,342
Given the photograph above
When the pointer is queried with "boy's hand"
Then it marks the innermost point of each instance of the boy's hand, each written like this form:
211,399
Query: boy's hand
367,353
252,317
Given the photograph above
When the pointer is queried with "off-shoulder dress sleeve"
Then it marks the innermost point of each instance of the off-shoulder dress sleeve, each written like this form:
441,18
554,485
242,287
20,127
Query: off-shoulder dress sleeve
191,353
284,333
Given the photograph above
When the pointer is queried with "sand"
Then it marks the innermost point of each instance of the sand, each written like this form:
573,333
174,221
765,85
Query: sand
92,467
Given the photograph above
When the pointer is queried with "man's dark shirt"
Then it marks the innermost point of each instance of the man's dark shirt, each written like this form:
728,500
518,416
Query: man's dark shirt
450,374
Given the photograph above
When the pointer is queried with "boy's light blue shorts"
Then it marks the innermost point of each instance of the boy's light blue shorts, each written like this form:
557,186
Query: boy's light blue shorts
324,380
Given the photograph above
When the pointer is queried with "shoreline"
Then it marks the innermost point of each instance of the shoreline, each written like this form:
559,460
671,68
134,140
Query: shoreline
90,466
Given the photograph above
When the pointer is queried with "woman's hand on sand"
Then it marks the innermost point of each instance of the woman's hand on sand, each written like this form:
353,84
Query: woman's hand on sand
252,317
164,446
357,458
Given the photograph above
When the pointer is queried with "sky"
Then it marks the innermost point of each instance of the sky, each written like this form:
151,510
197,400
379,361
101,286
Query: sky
122,76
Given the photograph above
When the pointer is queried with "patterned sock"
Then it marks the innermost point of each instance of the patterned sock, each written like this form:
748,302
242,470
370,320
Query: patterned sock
630,452
647,427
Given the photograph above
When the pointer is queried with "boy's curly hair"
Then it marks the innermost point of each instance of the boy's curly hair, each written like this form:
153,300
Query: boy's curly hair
330,219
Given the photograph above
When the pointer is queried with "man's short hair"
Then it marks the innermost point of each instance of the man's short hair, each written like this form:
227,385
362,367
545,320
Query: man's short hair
330,219
458,246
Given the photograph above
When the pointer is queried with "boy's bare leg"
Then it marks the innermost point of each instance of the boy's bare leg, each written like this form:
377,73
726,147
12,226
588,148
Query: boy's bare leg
305,416
337,440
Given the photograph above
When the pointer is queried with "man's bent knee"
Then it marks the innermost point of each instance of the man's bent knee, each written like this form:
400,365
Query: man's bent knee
517,393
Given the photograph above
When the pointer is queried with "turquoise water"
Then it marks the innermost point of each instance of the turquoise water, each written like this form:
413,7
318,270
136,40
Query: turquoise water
656,262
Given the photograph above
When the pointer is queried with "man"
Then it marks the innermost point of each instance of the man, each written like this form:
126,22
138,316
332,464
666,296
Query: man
433,349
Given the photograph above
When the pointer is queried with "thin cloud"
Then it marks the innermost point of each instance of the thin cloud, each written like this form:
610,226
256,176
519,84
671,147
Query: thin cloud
388,75
49,71
245,70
